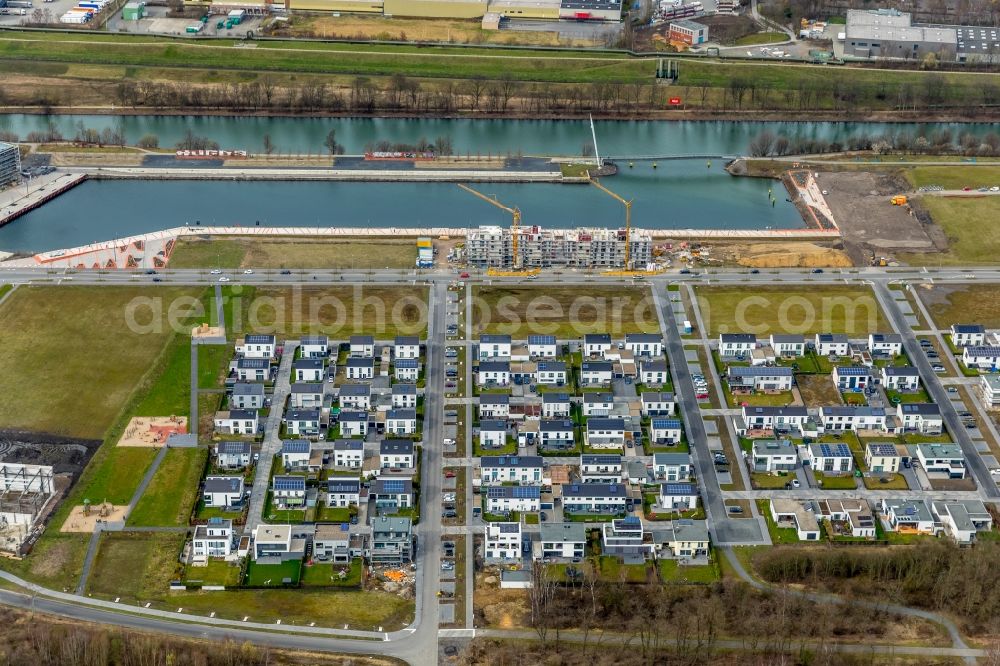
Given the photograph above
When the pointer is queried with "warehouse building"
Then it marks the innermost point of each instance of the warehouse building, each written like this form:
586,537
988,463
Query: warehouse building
690,33
547,10
10,163
590,10
887,33
492,247
453,9
346,6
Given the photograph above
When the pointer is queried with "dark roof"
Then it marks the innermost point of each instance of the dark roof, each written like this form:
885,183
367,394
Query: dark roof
494,366
308,363
678,489
514,492
651,396
348,445
362,340
406,363
598,396
354,390
775,411
832,450
593,490
922,408
492,424
296,446
654,366
553,425
788,338
738,337
407,340
511,461
551,366
883,450
258,339
900,371
643,337
401,414
315,340
968,328
853,371
353,415
831,337
886,337
302,415
666,424
242,414
224,484
248,388
555,397
509,528
360,362
253,363
289,483
387,446
307,387
600,459
392,486
404,389
605,424
494,399
597,366
541,339
343,484
493,339
597,338
232,448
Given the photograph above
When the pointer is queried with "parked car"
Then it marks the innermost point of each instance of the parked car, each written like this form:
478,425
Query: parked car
449,474
450,513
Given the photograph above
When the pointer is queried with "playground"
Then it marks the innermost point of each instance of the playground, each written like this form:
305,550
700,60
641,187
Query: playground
84,518
152,431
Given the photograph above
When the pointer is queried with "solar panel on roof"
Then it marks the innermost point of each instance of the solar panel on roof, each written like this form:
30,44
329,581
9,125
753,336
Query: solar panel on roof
394,486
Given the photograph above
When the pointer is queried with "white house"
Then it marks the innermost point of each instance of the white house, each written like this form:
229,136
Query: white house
968,335
552,373
355,396
596,344
213,539
401,421
924,417
989,388
883,457
885,344
555,433
664,431
308,370
788,345
223,492
594,497
786,512
305,396
736,344
981,357
253,369
963,519
908,516
597,403
555,405
404,396
672,467
406,369
494,347
295,453
504,499
658,404
247,396
830,458
522,470
502,543
852,418
392,493
343,491
492,433
682,538
942,460
681,496
360,368
855,514
596,372
257,346
759,378
275,542
625,538
494,406
362,346
495,373
644,344
349,453
354,424
601,468
237,422
900,378
654,372
832,344
314,346
561,540
604,433
774,418
406,346
773,455
232,455
396,453
542,346
852,377
302,422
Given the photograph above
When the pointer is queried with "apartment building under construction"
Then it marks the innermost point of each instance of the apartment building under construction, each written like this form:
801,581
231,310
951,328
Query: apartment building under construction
493,247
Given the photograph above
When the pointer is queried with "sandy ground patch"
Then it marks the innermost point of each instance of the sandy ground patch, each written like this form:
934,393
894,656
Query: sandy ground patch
78,522
96,159
206,331
792,255
152,431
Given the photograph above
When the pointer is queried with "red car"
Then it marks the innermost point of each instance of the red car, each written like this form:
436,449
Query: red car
701,396
449,475
464,275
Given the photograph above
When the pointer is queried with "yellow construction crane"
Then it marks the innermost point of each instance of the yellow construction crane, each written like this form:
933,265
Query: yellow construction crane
628,220
515,226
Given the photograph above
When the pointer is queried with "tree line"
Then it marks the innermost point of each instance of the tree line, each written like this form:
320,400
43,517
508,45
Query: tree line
938,142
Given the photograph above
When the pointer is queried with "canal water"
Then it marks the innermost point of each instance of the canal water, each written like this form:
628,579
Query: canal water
687,194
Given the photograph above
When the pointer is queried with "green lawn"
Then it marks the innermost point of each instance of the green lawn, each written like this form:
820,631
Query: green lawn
836,482
321,574
761,38
611,569
954,177
779,535
216,572
963,303
173,491
973,238
213,365
170,394
272,575
278,252
893,482
114,476
136,566
673,572
56,561
336,514
766,481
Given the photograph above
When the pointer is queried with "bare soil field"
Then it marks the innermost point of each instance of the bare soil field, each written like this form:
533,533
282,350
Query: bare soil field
962,304
818,390
64,454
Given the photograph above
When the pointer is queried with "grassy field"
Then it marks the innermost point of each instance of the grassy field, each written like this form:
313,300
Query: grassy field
328,575
264,253
216,572
73,338
173,491
272,575
114,474
963,304
807,310
761,38
213,365
672,572
954,177
55,562
170,393
973,238
136,566
566,312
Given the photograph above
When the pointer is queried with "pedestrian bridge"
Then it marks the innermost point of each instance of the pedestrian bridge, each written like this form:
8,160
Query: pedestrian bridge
665,158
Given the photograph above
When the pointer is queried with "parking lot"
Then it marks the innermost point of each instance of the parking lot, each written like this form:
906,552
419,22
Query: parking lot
156,22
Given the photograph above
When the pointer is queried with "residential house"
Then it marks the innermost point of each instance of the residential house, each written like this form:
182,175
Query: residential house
406,369
362,346
852,377
354,424
735,345
672,467
759,378
406,346
981,357
561,540
502,543
989,388
295,453
664,431
654,373
968,335
404,396
682,538
779,419
552,373
625,538
885,344
597,498
308,370
678,496
237,422
306,396
253,370
392,540
555,405
493,373
523,372
644,344
840,418
349,453
302,422
337,543
396,453
773,455
908,516
401,422
883,457
213,539
493,433
494,347
596,372
848,517
314,346
923,417
596,344
658,404
522,470
343,491
788,512
788,345
832,344
941,460
494,406
504,499
288,491
355,396
962,519
763,355
600,468
900,378
360,368
247,396
257,346
223,492
542,346
555,434
275,543
830,458
392,493
598,403
604,433
232,455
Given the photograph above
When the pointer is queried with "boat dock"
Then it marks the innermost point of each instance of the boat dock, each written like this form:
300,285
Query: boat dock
24,198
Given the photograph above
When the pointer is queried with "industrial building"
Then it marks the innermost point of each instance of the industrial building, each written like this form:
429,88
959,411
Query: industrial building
689,33
888,33
10,163
24,492
492,247
493,11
